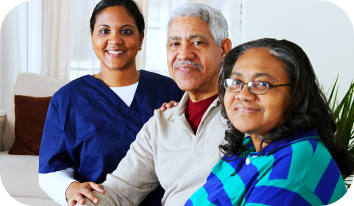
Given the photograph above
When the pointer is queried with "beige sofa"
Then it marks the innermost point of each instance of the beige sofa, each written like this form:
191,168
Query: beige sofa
19,173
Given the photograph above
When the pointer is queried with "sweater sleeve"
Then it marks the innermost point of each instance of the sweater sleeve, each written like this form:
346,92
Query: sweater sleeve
135,176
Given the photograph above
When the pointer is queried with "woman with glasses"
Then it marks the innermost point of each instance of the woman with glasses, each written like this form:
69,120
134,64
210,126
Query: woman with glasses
280,148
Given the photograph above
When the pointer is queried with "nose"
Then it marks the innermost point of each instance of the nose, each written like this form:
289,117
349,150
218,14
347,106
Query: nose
245,95
186,52
115,38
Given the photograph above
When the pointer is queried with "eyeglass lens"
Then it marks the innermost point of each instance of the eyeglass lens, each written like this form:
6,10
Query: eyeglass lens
254,87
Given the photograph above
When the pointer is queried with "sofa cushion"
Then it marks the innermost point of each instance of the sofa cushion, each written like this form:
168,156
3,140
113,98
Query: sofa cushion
29,84
30,115
19,175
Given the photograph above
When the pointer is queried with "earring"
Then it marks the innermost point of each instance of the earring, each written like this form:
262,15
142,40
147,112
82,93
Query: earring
93,47
140,48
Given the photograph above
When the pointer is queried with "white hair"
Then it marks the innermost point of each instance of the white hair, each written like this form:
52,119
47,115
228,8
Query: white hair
211,16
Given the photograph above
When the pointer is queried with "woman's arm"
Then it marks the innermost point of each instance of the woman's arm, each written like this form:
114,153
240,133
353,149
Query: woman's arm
56,183
62,187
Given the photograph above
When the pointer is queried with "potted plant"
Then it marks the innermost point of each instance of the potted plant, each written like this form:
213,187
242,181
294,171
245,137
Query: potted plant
344,116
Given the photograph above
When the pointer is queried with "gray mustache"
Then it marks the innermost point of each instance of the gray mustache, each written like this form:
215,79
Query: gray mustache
187,62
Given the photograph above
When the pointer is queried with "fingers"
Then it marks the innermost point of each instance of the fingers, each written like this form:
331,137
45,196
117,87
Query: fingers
97,187
168,105
76,192
77,198
72,202
164,106
87,193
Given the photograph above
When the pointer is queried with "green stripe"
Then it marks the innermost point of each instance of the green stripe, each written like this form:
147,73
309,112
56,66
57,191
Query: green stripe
235,192
339,191
223,170
201,196
300,160
264,165
318,166
297,187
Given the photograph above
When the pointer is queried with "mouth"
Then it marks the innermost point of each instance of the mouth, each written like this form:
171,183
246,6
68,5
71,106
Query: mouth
115,52
243,109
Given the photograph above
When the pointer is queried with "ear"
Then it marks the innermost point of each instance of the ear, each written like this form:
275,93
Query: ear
141,39
226,46
91,38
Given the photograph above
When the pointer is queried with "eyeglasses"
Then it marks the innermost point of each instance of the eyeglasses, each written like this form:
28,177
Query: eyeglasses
254,87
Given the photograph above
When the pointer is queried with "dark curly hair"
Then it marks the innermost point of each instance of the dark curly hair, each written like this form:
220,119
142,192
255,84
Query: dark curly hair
129,5
308,107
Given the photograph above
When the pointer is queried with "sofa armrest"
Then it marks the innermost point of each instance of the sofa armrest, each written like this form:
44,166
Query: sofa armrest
3,114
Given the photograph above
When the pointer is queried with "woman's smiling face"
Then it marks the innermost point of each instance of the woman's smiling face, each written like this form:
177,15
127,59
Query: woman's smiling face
258,114
116,38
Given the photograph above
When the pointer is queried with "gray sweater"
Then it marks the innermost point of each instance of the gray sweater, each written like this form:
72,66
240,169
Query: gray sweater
167,152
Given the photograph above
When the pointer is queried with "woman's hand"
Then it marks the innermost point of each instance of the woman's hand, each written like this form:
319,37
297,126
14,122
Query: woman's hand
167,106
75,192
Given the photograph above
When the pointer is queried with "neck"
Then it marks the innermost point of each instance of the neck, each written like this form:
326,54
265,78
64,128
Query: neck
199,96
257,142
118,78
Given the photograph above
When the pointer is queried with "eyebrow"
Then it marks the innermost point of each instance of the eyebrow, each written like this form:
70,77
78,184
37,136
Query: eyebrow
198,36
177,38
105,25
174,38
256,75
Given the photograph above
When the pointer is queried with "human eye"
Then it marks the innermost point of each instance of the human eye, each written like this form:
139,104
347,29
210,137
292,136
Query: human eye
126,31
173,45
233,84
261,85
104,31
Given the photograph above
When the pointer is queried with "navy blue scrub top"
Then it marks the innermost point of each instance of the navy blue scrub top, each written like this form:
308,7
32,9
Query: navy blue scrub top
90,128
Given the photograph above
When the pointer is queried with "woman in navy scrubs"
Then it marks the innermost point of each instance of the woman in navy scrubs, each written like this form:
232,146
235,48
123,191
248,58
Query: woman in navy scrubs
92,121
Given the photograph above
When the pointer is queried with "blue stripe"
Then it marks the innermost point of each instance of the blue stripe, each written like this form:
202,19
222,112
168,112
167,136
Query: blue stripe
314,145
189,203
328,182
249,176
281,164
238,163
275,196
216,193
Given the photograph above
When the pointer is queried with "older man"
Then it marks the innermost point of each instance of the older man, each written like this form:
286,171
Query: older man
178,148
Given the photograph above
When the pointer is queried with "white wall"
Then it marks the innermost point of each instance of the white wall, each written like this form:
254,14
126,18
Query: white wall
321,28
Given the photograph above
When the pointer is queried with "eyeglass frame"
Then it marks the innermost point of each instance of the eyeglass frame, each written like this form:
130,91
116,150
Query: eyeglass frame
249,86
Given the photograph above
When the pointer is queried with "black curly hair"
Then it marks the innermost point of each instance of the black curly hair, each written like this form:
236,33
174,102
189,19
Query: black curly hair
308,107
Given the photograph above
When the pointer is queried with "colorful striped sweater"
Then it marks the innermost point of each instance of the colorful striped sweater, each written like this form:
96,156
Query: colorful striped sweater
298,172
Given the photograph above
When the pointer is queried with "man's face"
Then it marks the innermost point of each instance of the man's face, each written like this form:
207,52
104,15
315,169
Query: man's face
193,57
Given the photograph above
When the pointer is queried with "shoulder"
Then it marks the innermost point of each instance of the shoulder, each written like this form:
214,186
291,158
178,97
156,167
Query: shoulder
164,116
75,85
73,88
311,165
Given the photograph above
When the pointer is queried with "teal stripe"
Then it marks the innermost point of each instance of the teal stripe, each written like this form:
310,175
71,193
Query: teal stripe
264,165
297,187
301,158
201,196
318,166
339,191
235,193
223,170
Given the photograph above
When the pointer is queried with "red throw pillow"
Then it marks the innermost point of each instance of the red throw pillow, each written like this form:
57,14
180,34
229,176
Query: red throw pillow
30,115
